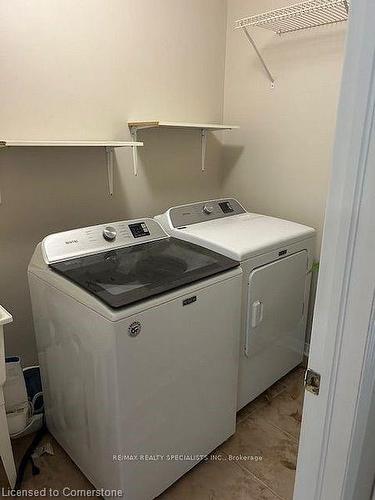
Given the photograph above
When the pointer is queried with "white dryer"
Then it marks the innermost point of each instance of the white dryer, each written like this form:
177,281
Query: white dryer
139,376
276,258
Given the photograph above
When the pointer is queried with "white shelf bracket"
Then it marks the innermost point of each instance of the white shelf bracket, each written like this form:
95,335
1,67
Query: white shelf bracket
202,128
109,151
109,147
203,148
133,133
265,67
2,145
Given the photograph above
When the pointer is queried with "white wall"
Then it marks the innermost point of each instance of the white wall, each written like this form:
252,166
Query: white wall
279,161
80,70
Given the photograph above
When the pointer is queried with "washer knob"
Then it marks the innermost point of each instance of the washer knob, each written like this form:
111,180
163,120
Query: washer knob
208,209
109,233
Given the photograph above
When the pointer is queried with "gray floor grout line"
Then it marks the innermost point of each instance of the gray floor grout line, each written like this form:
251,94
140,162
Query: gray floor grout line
262,406
247,415
256,478
296,440
251,413
285,389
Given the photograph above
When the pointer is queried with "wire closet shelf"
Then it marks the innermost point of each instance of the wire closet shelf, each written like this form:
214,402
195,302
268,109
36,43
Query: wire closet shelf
305,15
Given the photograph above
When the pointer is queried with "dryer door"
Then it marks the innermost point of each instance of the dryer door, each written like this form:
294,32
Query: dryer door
275,325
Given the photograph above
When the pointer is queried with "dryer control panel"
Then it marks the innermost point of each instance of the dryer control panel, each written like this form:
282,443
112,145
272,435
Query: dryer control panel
101,238
194,213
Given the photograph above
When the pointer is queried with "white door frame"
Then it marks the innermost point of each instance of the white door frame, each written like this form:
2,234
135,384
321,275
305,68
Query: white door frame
336,422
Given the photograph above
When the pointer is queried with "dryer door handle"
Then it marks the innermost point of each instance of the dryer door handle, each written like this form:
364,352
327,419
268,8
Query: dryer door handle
256,313
254,318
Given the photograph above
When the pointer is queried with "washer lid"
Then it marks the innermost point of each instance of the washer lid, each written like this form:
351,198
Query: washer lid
126,275
241,236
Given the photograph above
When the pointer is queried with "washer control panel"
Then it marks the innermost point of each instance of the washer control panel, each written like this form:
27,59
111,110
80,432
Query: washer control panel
193,213
101,238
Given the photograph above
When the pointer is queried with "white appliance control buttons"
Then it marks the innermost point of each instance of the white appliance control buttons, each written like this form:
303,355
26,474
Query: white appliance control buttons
96,239
193,213
208,209
109,233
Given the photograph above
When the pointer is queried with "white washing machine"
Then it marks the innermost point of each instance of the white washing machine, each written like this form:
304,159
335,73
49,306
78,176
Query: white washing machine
139,376
276,258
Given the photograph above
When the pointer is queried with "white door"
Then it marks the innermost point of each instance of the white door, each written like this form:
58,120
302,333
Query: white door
335,422
275,316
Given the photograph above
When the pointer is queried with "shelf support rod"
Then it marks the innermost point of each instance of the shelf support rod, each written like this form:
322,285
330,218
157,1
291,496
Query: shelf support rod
109,151
265,67
203,148
133,133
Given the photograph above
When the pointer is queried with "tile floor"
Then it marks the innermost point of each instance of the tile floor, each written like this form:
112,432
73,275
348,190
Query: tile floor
257,463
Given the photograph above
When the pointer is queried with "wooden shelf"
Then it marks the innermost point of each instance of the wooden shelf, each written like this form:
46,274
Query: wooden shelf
109,147
134,126
156,123
105,144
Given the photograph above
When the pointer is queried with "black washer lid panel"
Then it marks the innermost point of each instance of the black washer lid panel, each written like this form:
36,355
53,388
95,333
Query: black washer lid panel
127,275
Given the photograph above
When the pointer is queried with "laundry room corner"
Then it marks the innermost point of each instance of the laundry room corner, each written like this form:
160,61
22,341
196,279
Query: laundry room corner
279,161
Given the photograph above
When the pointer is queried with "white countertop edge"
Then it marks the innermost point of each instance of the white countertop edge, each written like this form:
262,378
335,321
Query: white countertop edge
5,317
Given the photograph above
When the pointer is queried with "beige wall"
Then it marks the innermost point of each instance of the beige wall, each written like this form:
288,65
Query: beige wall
80,70
279,161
